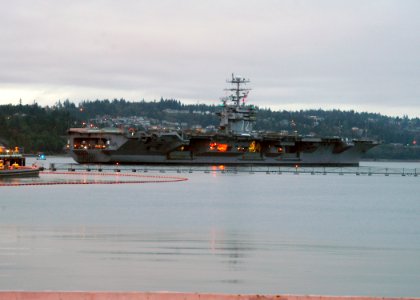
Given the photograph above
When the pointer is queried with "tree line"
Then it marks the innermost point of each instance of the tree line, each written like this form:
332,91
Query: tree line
43,128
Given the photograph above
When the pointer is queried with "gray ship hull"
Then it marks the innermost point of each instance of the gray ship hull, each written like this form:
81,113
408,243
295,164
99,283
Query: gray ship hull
170,148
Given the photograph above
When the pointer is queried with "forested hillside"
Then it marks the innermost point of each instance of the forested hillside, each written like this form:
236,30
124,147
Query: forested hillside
43,129
34,128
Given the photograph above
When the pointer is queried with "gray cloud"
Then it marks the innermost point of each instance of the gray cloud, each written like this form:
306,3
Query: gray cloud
361,55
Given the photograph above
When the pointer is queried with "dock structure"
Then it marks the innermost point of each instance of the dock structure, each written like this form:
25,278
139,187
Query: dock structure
222,169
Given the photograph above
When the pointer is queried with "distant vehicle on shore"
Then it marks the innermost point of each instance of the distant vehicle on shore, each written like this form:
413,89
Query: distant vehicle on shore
41,156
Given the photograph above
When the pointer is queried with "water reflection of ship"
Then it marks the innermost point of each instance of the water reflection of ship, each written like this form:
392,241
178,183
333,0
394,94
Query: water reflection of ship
231,247
236,142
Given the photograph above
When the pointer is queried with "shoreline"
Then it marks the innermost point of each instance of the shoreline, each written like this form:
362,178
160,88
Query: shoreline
96,295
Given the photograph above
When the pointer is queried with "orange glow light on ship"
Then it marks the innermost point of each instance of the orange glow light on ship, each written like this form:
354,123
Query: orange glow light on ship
222,147
213,145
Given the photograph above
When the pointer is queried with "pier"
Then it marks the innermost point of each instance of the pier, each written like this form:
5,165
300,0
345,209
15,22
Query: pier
223,169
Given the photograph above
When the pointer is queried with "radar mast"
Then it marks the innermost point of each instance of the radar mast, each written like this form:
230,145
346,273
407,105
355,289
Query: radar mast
239,93
237,118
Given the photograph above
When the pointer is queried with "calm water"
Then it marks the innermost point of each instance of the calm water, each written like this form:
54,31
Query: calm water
225,233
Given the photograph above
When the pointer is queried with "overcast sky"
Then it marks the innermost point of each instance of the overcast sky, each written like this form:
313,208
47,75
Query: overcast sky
299,54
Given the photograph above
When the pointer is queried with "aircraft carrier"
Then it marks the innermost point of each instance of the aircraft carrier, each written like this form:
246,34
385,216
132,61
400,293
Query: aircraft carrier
234,143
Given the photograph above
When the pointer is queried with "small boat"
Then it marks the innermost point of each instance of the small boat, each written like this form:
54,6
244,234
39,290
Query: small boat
19,172
12,164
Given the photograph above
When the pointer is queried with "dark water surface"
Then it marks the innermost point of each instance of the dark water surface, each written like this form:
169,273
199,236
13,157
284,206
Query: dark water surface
225,233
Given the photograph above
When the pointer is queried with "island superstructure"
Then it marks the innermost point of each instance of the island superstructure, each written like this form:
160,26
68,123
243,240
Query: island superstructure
235,142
